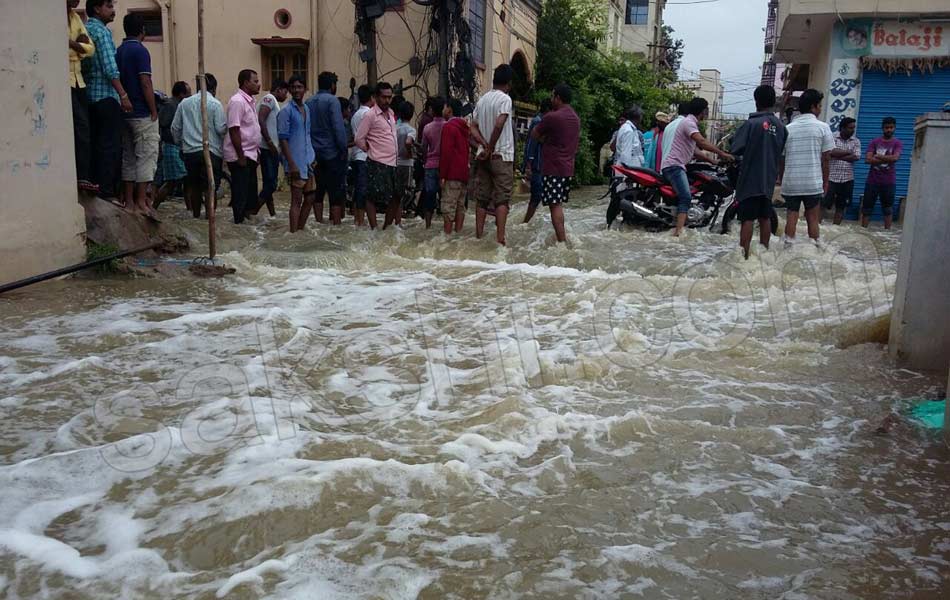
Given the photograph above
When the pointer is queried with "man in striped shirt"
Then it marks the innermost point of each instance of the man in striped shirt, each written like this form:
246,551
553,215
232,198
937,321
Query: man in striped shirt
805,168
841,172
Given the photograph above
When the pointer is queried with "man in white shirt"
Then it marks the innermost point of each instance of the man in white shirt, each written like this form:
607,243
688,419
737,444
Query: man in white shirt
495,170
358,157
629,149
267,111
805,168
187,131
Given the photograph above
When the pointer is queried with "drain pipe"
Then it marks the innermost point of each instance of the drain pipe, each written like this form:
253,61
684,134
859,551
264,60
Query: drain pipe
15,285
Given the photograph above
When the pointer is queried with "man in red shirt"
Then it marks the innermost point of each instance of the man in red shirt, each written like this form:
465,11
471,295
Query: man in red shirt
560,132
454,166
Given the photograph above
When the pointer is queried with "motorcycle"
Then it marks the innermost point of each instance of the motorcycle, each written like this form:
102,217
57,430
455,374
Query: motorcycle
642,196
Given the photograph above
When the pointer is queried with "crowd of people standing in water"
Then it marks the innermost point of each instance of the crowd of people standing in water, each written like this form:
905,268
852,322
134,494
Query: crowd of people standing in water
813,166
368,158
134,150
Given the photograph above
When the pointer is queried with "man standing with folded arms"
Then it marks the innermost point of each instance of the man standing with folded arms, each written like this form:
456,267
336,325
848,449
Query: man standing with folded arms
80,47
242,147
805,169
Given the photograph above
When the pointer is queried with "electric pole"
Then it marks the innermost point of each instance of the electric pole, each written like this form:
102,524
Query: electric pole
372,74
444,48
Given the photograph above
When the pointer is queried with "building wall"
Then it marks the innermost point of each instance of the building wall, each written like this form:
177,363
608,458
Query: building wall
329,26
42,225
709,87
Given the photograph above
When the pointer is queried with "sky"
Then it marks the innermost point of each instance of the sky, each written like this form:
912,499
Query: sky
726,35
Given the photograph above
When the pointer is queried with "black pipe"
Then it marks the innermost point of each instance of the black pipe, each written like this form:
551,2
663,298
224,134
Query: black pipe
8,287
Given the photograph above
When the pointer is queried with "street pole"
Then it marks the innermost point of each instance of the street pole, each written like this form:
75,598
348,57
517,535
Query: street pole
210,201
444,49
372,72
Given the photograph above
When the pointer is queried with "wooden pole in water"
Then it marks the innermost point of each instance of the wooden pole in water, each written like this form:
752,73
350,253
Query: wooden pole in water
210,201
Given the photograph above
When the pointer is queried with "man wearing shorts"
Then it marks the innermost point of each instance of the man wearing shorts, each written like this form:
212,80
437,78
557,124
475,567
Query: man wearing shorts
453,166
841,170
760,142
186,130
495,161
377,137
805,168
140,134
293,130
328,137
560,132
883,154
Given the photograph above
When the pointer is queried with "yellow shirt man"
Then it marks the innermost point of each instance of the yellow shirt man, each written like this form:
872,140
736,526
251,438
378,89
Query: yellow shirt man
80,47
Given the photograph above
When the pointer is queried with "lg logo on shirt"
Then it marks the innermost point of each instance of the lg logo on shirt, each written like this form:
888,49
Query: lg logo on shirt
769,128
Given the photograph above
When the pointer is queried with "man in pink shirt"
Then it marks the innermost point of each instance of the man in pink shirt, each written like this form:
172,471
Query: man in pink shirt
377,137
241,149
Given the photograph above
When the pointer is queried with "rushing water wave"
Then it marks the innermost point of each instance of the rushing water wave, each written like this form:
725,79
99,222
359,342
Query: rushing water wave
400,415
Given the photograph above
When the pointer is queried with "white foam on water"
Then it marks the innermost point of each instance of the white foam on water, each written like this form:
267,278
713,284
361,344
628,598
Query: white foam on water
431,410
252,576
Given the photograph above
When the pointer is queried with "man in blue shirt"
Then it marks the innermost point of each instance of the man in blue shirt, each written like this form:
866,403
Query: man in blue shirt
140,136
532,161
294,130
328,136
107,99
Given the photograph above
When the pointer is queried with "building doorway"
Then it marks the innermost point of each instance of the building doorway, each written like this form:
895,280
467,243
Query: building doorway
282,58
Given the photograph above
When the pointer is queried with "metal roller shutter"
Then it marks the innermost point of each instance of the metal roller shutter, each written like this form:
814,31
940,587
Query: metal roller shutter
903,97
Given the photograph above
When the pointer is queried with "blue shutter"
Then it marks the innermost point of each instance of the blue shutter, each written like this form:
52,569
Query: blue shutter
904,97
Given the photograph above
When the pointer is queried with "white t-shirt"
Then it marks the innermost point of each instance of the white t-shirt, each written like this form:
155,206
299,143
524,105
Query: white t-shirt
355,152
808,139
490,107
271,102
405,131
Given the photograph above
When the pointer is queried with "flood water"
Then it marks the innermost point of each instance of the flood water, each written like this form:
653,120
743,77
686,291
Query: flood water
396,415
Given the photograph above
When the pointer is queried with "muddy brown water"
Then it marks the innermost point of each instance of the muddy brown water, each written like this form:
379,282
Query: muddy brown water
399,415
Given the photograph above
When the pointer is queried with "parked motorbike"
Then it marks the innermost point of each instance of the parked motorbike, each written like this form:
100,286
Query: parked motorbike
642,196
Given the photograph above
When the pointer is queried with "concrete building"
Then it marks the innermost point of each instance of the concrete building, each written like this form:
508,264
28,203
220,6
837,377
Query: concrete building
279,39
708,85
42,226
635,26
871,59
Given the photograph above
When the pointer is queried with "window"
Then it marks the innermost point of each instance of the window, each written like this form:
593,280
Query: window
153,24
276,67
282,18
299,65
638,12
476,22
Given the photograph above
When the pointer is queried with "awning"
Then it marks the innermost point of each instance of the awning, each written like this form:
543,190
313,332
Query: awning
281,42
